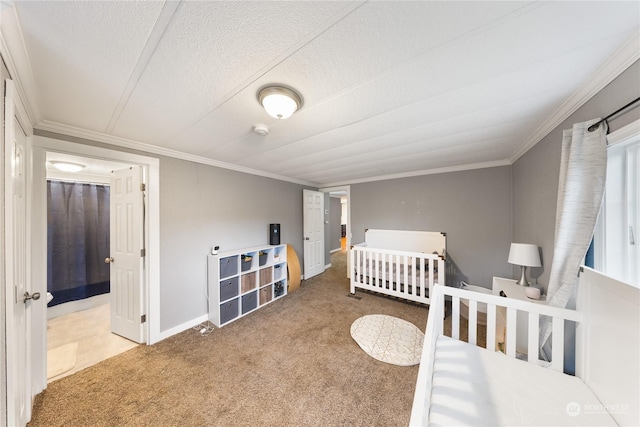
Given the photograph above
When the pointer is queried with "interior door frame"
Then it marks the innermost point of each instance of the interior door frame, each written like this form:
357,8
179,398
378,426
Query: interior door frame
347,190
15,112
151,289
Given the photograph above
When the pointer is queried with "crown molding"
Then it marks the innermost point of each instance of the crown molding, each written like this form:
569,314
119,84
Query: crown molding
48,126
471,166
14,52
621,59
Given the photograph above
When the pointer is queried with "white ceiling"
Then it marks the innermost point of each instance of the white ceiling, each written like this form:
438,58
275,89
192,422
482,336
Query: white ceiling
389,87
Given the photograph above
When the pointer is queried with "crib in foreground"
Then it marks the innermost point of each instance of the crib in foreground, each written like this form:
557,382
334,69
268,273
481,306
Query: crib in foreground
460,383
402,264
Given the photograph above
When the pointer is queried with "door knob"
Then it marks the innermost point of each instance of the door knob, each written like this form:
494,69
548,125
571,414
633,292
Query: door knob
108,260
306,238
35,296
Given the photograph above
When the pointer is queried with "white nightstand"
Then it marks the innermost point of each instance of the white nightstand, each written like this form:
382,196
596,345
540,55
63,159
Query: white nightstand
513,290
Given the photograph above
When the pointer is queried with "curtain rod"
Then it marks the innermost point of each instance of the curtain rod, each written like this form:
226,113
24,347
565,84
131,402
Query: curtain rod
595,125
73,181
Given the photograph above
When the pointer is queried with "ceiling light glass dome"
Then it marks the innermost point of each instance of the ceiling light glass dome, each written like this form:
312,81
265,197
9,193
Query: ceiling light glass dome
279,102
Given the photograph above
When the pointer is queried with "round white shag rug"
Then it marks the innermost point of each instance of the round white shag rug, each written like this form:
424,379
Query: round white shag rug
388,339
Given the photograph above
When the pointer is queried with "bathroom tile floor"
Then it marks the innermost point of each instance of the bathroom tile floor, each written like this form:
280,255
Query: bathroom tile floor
91,329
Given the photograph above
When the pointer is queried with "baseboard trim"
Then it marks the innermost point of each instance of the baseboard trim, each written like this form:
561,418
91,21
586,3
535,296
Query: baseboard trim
183,327
335,250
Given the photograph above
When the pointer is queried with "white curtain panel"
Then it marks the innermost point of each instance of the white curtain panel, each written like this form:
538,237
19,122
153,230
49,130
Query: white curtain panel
583,171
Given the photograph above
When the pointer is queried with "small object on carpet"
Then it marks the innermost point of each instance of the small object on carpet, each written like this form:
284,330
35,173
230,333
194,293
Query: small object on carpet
61,359
388,339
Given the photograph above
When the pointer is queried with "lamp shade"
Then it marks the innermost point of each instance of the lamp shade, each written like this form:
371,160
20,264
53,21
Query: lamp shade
279,102
524,254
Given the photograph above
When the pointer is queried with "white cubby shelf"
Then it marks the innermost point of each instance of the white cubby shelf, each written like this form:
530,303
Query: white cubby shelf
244,280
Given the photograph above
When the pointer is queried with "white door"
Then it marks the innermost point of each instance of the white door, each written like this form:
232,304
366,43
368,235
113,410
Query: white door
127,253
313,205
17,320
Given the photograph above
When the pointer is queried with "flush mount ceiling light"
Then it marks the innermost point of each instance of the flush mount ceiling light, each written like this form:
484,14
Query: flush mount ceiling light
279,102
68,166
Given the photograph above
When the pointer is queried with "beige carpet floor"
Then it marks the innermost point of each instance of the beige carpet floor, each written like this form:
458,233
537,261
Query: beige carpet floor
291,363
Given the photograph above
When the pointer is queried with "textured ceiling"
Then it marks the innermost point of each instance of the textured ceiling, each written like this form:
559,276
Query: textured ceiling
389,87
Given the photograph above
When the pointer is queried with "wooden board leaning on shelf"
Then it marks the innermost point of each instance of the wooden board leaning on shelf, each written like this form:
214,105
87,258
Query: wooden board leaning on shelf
293,266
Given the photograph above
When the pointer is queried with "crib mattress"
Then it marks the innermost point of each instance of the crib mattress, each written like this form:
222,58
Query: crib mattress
474,386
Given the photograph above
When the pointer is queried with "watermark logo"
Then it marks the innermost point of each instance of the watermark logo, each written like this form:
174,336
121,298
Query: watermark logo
573,409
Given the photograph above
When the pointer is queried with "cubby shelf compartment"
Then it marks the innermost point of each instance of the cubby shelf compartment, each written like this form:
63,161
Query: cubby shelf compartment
242,281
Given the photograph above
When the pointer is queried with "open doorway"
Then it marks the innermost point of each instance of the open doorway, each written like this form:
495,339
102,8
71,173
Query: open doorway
79,309
149,320
337,236
340,220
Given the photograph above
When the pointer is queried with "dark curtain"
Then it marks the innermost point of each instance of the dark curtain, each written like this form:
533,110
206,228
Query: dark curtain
77,240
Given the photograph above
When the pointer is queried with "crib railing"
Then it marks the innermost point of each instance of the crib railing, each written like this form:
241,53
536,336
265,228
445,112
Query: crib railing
501,319
407,275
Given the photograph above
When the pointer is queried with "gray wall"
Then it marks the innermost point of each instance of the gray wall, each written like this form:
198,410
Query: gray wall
220,207
202,206
335,212
472,207
535,174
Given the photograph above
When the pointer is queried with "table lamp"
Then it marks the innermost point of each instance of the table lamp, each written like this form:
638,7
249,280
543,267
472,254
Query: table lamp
525,255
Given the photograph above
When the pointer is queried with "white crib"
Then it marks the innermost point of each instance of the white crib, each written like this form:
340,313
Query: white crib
460,383
403,264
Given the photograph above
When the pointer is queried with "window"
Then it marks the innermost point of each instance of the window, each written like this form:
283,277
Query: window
616,237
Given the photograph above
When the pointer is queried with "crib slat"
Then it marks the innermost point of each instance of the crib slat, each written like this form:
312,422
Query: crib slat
491,327
377,264
557,345
511,332
473,321
399,264
381,271
365,267
455,317
373,271
352,257
406,273
372,267
422,274
358,266
532,348
384,261
429,282
409,269
418,277
398,271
